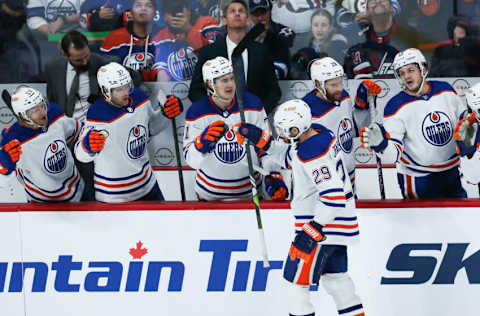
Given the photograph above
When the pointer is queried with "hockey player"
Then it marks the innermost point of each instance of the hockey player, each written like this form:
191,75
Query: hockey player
418,127
36,147
115,137
210,145
323,207
331,106
132,43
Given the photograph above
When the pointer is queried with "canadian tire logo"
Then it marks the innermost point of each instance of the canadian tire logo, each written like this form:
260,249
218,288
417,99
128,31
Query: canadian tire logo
163,157
385,88
299,89
180,90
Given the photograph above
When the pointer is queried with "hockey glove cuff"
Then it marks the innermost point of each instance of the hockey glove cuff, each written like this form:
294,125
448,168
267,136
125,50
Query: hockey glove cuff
172,107
305,241
260,138
94,141
210,135
275,187
374,137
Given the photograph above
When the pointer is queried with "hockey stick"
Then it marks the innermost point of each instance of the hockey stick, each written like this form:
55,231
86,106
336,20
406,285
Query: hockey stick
162,98
237,53
373,118
7,98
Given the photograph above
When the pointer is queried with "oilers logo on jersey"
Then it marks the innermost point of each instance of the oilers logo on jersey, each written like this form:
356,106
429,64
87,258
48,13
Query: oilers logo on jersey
345,134
437,128
139,61
181,63
57,8
55,159
137,141
228,150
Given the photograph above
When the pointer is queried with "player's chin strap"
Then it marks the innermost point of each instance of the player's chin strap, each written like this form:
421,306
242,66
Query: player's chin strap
424,77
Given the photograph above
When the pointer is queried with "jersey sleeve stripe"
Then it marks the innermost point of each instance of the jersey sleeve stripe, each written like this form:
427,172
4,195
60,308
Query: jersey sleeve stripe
333,204
57,196
331,190
125,191
123,178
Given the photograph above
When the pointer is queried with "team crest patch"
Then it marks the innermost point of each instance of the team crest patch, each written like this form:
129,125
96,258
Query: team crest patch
437,128
345,135
139,61
137,141
55,160
227,150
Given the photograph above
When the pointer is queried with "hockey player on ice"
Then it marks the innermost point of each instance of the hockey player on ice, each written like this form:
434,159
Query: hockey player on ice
37,148
323,207
115,136
332,107
210,145
418,127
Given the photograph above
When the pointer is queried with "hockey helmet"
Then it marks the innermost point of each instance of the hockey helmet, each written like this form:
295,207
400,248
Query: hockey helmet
23,99
293,113
407,57
110,76
324,69
473,99
213,69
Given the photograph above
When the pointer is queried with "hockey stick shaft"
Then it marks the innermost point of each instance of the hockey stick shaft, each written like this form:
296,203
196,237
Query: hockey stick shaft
373,118
237,53
7,98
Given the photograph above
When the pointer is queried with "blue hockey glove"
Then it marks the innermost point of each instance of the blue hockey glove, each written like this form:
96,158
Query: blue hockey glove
374,137
364,89
260,138
275,187
467,136
210,135
305,241
9,155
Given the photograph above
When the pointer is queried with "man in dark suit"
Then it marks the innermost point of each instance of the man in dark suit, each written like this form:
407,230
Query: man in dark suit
256,60
72,83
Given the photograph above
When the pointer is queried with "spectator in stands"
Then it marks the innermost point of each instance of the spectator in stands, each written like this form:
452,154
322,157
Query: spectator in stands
180,41
324,39
104,15
459,58
256,61
48,19
277,37
301,61
132,43
374,57
207,8
72,83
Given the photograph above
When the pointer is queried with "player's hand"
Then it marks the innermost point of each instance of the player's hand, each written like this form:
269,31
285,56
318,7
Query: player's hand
467,136
275,187
210,135
260,138
9,155
306,241
94,141
172,107
364,89
374,137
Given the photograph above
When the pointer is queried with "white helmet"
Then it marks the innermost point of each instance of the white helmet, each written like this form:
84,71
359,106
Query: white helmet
213,69
324,69
23,99
112,75
473,99
407,57
293,113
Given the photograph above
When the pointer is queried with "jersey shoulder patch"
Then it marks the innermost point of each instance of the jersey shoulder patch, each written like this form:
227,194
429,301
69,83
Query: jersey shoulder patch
315,147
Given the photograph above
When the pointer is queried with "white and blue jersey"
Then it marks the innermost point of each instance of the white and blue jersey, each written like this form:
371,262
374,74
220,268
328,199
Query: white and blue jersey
338,117
421,134
321,189
46,167
222,173
122,168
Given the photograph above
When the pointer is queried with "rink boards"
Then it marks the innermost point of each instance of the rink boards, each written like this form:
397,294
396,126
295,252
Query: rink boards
204,259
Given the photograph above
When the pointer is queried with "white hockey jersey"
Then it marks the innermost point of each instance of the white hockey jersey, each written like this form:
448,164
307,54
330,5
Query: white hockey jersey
46,167
321,189
122,169
40,12
222,173
338,117
421,129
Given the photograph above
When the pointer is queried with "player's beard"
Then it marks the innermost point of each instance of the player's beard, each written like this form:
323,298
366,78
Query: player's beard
333,97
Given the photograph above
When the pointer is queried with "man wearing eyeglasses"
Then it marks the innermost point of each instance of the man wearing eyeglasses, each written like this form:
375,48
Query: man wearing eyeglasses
374,57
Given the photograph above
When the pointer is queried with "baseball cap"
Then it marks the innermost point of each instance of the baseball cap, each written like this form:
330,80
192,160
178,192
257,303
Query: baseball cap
257,4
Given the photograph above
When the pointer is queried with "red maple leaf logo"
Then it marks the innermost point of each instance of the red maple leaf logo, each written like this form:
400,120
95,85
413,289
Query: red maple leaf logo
139,252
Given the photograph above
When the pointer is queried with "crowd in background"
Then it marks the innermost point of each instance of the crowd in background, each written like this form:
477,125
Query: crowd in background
165,45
